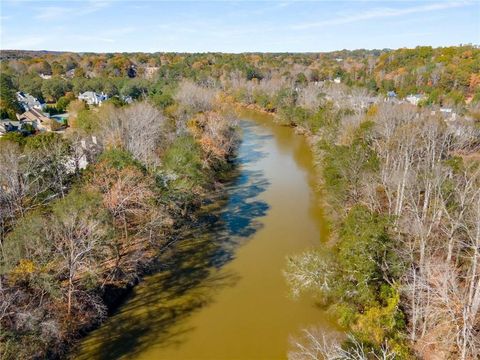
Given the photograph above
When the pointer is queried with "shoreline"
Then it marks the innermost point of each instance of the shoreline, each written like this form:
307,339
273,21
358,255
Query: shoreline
115,296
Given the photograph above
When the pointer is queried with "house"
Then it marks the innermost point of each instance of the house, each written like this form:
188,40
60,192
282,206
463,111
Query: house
391,97
448,114
93,98
45,76
83,153
132,71
127,99
36,118
414,99
337,80
7,125
70,73
28,101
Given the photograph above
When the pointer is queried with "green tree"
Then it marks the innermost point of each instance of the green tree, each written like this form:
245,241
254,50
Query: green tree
55,88
31,84
8,101
57,69
88,121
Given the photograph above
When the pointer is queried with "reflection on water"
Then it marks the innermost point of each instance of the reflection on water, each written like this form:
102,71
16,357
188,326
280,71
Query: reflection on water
221,293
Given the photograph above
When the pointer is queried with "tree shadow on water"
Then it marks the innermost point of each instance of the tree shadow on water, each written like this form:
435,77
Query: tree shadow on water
154,313
192,270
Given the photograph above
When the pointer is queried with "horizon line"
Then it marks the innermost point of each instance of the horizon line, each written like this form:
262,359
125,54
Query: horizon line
240,52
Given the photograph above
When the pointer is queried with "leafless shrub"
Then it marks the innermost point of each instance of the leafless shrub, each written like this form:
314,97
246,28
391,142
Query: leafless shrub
139,129
316,345
196,98
310,97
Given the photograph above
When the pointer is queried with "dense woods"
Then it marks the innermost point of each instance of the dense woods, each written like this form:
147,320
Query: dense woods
71,236
446,76
404,267
401,182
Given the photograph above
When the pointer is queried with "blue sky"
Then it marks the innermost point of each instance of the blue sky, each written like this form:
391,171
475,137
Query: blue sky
235,26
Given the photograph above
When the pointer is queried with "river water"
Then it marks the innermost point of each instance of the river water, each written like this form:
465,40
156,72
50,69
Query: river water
222,295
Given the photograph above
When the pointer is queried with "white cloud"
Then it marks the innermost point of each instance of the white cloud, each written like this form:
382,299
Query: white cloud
378,13
66,12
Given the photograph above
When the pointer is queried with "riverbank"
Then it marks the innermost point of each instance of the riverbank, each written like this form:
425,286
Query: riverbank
68,265
388,172
356,233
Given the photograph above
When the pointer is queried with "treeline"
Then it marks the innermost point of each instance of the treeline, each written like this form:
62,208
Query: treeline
402,185
404,269
446,76
71,235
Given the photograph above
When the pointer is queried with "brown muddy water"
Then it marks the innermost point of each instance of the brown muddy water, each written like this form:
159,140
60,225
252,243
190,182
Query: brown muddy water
223,294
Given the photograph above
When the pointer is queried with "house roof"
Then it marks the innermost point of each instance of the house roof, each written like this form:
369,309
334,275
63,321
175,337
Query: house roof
417,96
28,99
34,115
92,94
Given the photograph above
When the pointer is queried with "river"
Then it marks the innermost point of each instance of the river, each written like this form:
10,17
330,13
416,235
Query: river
223,295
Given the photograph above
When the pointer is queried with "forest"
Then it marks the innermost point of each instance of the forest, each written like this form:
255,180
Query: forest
400,183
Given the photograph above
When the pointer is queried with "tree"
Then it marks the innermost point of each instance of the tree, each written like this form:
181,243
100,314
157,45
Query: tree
47,157
77,229
127,196
315,345
140,130
88,121
301,79
253,73
57,69
53,89
195,98
62,103
8,101
41,67
79,72
31,84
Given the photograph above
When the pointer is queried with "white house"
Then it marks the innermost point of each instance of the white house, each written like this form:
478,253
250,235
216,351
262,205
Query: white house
93,98
414,99
29,102
337,80
45,76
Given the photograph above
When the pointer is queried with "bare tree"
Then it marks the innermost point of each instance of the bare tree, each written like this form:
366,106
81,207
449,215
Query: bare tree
196,98
76,231
315,345
139,129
